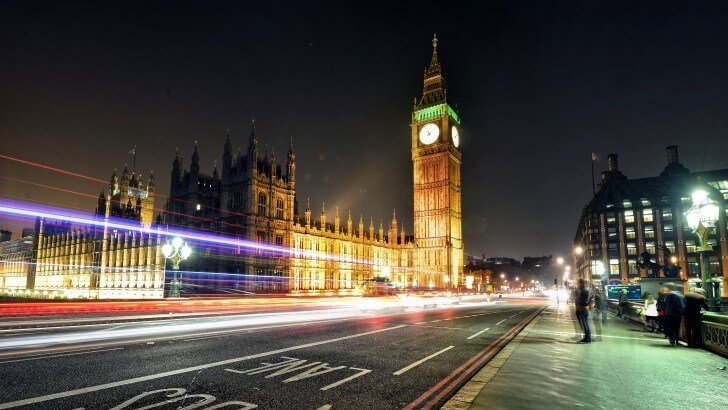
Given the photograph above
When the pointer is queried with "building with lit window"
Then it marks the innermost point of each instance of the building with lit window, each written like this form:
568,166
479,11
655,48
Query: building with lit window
627,217
253,197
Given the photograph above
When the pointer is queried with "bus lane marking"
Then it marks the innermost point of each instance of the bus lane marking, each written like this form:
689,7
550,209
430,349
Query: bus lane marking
90,389
304,368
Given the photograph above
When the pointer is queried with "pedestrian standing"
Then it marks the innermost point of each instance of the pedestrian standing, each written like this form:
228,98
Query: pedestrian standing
651,314
600,305
661,296
694,301
622,304
582,299
674,309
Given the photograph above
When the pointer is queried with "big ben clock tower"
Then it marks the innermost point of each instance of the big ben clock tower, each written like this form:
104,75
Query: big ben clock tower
437,189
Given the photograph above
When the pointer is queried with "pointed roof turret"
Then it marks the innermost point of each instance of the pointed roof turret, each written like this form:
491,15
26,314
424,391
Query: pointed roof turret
195,155
228,147
434,63
434,90
253,138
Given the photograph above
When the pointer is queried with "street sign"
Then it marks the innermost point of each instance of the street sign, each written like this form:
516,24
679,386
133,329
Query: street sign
633,291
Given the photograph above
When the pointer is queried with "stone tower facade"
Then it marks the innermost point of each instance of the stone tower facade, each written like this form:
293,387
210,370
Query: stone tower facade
437,186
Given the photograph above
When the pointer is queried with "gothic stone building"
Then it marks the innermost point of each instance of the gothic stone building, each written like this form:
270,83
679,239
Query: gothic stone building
95,262
253,197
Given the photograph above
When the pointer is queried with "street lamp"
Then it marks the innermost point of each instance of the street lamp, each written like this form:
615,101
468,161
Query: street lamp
701,218
176,251
559,260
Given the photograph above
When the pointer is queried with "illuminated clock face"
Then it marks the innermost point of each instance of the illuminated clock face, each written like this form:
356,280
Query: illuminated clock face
429,133
455,136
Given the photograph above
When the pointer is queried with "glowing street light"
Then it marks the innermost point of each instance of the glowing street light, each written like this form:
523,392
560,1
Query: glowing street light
701,218
578,250
559,260
176,251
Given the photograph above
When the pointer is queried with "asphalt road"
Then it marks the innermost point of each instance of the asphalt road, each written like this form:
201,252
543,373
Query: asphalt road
320,359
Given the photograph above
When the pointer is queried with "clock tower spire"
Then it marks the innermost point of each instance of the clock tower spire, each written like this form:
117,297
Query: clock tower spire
436,161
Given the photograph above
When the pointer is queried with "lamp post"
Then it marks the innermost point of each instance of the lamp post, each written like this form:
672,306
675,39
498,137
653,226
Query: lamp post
701,218
177,251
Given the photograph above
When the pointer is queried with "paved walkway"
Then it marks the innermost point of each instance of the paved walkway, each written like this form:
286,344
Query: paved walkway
544,367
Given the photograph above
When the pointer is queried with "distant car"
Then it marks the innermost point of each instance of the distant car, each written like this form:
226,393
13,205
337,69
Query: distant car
377,288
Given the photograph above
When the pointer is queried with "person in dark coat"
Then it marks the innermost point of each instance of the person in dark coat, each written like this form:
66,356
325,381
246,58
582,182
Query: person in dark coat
661,296
622,304
674,309
600,305
694,301
582,299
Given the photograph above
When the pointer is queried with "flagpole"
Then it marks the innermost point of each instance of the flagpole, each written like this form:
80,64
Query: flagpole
594,189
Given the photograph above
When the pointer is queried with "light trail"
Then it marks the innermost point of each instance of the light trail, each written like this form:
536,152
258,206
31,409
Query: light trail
21,209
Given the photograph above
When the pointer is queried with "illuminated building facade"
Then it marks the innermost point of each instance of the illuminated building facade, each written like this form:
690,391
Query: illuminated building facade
253,197
627,217
64,260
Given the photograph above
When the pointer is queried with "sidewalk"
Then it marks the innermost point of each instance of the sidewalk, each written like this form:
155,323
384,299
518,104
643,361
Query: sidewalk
544,367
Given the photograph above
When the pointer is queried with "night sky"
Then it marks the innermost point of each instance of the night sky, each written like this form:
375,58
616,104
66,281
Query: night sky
539,86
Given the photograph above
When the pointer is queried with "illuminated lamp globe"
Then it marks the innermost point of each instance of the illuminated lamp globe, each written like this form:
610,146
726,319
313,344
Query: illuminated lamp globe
167,250
693,218
709,214
699,196
578,250
446,279
185,252
177,242
560,260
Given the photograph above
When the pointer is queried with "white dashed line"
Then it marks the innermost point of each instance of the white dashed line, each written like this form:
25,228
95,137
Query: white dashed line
419,362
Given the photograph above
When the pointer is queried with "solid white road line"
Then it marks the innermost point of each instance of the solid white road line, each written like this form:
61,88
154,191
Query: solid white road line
25,359
419,362
84,390
479,333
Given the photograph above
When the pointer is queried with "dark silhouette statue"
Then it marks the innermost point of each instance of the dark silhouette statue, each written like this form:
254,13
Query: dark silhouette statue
653,268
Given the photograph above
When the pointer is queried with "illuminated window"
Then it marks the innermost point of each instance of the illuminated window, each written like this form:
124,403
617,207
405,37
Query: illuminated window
198,207
262,204
647,215
614,266
645,202
650,247
631,249
670,245
627,204
611,220
629,232
667,216
649,232
279,208
690,245
279,240
629,217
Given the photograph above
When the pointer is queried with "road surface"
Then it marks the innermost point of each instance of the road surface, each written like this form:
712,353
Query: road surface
312,359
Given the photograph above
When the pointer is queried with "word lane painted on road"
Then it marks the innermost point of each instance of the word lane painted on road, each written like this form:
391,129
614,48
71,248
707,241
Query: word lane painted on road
300,369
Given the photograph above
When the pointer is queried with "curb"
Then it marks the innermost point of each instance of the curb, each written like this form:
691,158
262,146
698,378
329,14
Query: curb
440,392
467,394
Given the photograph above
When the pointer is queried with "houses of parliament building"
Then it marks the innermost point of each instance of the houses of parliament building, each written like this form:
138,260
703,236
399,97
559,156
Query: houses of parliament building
252,197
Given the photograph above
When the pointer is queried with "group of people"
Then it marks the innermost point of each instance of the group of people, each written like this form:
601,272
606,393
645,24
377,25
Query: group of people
663,315
670,309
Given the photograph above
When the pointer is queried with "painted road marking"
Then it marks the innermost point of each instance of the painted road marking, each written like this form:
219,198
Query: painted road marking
307,369
25,359
479,333
419,362
76,392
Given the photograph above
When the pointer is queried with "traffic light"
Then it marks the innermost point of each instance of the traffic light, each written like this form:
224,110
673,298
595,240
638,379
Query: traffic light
556,281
